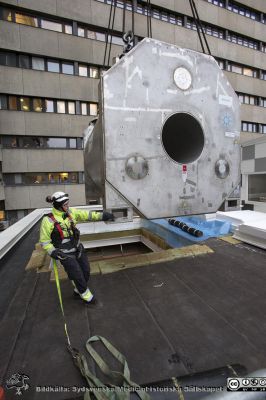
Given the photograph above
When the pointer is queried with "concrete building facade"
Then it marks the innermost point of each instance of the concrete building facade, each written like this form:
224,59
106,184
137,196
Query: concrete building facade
51,57
253,171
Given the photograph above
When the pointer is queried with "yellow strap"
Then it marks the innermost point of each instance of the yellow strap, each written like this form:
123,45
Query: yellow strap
178,389
60,299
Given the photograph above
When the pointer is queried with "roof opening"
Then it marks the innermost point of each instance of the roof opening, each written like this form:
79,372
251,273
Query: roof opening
115,251
182,138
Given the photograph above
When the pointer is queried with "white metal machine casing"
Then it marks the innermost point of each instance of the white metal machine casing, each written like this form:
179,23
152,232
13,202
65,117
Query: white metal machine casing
166,141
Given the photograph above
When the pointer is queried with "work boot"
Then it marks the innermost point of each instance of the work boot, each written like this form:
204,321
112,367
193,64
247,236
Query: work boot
87,297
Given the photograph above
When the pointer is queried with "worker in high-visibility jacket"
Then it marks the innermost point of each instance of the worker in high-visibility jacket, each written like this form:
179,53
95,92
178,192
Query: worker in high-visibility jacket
59,236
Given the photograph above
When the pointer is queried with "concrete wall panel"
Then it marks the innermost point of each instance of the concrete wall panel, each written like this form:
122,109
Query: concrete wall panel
260,164
14,160
74,126
11,80
12,123
247,166
260,150
248,152
80,88
39,41
47,6
28,197
259,5
219,16
245,84
42,124
9,36
44,161
17,198
40,83
73,160
253,114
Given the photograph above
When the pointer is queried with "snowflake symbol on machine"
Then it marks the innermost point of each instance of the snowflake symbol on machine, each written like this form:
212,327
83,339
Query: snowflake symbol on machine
227,120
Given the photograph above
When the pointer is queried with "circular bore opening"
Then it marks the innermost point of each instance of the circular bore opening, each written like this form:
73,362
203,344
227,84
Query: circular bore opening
182,138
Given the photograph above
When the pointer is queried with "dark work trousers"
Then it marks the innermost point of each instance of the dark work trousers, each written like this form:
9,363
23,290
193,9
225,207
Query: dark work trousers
78,270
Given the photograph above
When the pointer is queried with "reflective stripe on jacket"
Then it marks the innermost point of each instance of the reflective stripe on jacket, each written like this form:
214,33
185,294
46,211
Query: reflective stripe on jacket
49,233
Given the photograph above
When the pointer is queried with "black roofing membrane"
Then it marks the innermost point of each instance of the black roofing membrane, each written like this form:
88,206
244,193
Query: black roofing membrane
170,319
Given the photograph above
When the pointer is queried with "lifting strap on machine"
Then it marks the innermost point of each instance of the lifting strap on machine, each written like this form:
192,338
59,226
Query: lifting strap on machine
100,390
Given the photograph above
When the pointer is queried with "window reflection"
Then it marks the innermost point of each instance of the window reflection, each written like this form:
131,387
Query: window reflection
68,68
83,70
61,107
68,29
93,109
26,20
7,15
12,103
49,105
51,25
38,63
52,66
37,105
71,107
35,142
24,103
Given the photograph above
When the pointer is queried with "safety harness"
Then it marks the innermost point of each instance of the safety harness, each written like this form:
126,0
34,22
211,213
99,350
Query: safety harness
98,389
73,232
57,225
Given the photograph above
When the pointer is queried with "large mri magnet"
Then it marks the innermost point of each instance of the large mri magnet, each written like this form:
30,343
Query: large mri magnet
166,141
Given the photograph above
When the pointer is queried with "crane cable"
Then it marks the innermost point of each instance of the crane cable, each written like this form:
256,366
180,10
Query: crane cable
199,27
106,59
149,30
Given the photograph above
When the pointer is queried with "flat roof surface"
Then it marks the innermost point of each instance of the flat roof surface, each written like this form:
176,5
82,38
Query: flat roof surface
170,319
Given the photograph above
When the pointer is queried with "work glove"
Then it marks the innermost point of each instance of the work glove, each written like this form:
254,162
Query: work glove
58,255
108,216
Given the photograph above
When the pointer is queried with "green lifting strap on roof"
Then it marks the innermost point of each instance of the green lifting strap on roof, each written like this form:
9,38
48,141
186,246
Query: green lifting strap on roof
100,390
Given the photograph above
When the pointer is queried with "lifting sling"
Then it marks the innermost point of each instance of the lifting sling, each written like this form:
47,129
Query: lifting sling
100,390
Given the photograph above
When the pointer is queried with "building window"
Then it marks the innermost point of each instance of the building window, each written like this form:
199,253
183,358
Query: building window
71,107
61,107
94,72
24,103
262,128
51,25
37,105
3,102
12,103
53,66
68,68
236,69
39,178
6,14
24,61
49,105
8,59
59,143
257,187
37,142
81,32
38,63
26,20
84,109
93,109
250,127
83,70
68,29
72,143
